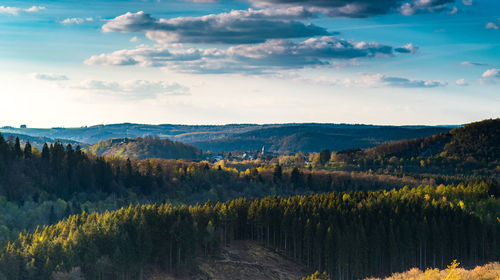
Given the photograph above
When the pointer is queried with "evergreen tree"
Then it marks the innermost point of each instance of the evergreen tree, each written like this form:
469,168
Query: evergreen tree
17,148
324,156
27,150
277,172
45,152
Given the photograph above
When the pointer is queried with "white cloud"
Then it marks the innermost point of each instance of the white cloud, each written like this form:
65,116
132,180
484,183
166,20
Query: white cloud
467,2
16,10
135,89
134,39
469,63
248,58
389,81
68,21
490,75
368,81
34,9
49,76
492,25
453,11
462,83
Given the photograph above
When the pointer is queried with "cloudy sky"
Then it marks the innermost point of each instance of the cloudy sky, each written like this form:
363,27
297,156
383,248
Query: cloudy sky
72,63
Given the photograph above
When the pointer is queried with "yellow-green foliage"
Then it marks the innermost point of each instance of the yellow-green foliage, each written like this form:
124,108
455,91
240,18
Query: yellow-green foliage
489,271
317,276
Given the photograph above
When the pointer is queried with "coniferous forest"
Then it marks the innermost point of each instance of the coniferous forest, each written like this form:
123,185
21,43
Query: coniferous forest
66,213
348,235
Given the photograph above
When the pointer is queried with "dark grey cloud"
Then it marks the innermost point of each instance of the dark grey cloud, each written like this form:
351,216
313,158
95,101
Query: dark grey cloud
364,8
408,48
247,58
235,27
315,51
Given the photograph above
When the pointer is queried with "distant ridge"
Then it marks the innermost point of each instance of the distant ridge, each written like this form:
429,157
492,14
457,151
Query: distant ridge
280,138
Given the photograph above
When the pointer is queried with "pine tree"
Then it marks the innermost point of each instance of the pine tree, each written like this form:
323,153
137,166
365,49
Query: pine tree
27,150
277,172
45,152
17,148
324,156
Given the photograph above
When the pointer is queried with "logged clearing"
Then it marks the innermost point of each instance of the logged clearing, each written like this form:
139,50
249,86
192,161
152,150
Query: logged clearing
242,260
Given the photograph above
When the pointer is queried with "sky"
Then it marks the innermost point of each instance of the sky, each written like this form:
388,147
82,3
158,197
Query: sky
74,63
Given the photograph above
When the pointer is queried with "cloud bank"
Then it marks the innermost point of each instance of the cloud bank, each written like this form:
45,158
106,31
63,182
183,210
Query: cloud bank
372,81
235,27
398,82
364,8
263,57
15,11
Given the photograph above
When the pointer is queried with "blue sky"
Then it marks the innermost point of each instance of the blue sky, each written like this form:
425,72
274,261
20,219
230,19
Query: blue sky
72,63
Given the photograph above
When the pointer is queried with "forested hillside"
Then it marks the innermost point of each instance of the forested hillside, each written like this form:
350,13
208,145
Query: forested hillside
147,147
348,235
306,137
348,224
471,149
315,137
42,187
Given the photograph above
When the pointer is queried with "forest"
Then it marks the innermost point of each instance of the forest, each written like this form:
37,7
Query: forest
347,235
42,187
282,138
471,149
145,147
69,214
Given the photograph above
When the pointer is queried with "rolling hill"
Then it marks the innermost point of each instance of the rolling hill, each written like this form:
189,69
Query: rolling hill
142,148
305,137
474,147
478,140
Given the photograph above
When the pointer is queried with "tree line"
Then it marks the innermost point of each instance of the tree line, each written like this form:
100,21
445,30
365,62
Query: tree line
41,187
68,173
347,235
